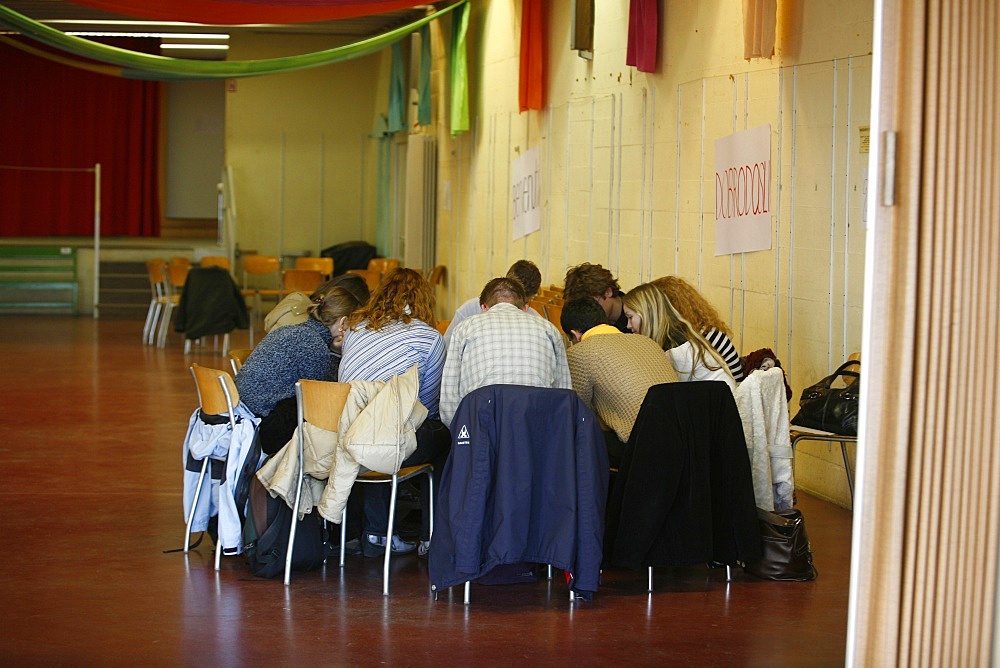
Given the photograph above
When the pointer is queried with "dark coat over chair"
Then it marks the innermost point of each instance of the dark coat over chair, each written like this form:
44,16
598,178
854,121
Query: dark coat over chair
210,304
526,481
684,492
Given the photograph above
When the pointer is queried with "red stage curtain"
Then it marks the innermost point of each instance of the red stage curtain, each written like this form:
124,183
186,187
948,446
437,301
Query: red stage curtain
56,116
235,12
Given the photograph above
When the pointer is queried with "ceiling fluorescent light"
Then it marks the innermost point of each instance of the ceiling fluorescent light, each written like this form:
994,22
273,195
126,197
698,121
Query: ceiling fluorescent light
197,47
159,35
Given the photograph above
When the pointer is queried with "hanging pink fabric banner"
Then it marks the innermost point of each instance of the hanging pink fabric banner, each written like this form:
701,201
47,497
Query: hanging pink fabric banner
643,35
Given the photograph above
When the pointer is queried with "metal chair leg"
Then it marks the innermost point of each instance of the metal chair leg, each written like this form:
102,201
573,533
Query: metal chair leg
388,535
847,469
343,535
467,588
194,505
650,580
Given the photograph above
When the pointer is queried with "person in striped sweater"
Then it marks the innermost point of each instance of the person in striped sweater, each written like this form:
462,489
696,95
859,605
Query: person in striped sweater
704,317
385,338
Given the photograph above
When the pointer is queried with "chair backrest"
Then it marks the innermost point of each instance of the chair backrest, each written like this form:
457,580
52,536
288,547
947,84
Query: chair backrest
217,393
324,265
237,356
554,314
436,275
372,278
215,261
321,402
300,280
442,326
382,265
261,265
177,272
156,269
540,305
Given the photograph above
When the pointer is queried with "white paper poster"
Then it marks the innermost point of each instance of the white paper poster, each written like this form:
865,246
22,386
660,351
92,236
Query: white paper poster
526,193
743,191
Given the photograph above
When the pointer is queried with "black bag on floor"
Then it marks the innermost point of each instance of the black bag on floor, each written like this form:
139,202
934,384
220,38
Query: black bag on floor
265,535
787,554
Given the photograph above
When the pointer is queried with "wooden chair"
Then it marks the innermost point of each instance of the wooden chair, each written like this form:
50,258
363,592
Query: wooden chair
300,280
324,265
320,403
155,270
175,276
442,326
372,278
217,396
237,356
383,265
269,267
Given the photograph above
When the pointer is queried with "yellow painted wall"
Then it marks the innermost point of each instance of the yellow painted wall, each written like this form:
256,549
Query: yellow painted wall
303,165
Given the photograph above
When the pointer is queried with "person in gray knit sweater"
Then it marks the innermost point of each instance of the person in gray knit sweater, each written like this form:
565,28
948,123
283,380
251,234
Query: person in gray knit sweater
611,371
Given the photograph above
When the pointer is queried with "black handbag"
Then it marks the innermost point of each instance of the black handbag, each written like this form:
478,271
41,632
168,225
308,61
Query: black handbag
787,554
833,409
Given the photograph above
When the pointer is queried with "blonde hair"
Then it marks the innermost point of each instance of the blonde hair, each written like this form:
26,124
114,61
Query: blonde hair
403,295
662,323
691,304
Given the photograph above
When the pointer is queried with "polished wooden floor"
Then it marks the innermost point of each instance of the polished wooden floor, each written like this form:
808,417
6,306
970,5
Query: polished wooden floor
90,455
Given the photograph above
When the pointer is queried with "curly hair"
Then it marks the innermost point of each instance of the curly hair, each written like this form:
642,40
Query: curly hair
588,280
336,302
404,294
691,304
527,272
662,323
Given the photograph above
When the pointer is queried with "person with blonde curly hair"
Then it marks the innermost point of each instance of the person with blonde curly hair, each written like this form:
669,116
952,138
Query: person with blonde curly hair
695,308
386,337
651,314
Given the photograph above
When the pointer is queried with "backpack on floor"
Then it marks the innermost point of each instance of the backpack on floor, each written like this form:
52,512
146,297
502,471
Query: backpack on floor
265,535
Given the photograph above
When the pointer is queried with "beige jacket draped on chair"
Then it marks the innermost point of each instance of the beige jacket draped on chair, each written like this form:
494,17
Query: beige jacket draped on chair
379,426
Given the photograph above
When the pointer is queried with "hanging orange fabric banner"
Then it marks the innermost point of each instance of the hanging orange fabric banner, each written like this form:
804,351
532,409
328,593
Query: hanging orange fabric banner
531,84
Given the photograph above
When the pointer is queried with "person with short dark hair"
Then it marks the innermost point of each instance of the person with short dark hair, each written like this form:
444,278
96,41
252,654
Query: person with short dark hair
596,282
524,271
611,371
502,345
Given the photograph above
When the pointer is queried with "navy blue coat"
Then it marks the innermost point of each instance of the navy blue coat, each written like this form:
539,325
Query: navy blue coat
526,481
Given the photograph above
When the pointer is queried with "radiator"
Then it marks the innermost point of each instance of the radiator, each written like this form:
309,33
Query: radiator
420,221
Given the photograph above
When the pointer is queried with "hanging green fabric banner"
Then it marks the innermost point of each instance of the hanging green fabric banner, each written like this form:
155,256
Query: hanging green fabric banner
397,91
424,84
145,66
459,72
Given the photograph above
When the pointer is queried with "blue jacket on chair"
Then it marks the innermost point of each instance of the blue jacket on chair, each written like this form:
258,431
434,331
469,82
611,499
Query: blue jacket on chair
526,481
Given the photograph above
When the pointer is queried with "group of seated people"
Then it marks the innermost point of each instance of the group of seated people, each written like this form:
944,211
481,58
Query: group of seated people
343,333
